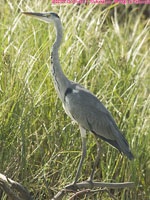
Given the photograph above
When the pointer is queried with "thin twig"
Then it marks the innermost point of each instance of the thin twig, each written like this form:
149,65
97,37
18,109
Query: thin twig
79,193
92,191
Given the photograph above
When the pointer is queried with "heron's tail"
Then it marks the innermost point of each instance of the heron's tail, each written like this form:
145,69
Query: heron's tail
120,143
124,146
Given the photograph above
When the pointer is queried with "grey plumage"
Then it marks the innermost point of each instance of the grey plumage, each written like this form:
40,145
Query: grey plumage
92,115
81,105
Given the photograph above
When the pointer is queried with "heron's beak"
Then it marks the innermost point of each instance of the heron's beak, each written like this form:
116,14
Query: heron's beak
40,16
34,14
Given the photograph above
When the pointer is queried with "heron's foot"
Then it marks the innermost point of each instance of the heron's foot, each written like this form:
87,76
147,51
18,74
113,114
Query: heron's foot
90,181
72,186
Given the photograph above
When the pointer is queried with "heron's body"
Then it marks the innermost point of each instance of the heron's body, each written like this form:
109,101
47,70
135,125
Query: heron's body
81,105
85,109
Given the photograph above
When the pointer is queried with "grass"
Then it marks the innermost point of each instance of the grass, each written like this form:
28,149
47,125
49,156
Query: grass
105,50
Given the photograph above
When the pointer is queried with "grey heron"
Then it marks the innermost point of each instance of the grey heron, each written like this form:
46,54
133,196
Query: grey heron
81,105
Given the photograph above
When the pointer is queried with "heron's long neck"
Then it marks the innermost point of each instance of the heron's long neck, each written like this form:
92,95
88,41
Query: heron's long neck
60,80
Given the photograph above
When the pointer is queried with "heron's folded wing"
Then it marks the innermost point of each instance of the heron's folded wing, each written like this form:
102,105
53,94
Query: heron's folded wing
90,113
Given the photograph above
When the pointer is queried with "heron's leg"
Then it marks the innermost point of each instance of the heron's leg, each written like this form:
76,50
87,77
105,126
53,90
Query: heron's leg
96,159
83,134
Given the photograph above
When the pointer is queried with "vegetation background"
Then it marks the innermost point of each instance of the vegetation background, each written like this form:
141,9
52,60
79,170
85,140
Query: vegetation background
106,49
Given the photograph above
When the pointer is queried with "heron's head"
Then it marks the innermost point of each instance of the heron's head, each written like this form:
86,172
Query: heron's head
47,17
